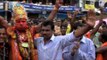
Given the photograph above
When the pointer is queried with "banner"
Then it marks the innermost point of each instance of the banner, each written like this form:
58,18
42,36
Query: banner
48,7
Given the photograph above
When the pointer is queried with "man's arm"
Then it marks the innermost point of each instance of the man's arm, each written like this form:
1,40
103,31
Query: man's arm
90,55
77,51
101,49
93,32
82,54
72,18
55,10
67,39
90,22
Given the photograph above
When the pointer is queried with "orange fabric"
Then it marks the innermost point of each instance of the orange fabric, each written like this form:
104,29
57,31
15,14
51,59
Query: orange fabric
88,35
14,53
101,56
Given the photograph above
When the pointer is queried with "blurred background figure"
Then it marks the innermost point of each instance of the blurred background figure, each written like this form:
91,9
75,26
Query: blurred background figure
3,44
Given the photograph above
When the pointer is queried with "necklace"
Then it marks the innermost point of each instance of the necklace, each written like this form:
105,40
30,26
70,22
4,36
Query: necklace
24,43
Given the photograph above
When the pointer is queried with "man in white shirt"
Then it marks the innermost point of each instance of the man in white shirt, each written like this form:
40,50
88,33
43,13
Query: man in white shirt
50,47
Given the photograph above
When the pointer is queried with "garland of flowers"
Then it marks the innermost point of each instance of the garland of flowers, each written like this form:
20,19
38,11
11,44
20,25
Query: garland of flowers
31,44
26,53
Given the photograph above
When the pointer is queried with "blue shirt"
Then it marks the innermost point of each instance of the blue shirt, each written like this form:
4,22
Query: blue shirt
85,52
52,50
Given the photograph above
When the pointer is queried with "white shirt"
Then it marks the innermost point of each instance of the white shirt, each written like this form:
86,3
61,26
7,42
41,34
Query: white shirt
53,49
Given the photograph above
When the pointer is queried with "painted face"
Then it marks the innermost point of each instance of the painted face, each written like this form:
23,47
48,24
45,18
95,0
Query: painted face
46,32
21,24
2,34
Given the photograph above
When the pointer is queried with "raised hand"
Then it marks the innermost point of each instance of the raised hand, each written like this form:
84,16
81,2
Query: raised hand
76,12
91,18
69,14
72,15
58,4
10,31
55,10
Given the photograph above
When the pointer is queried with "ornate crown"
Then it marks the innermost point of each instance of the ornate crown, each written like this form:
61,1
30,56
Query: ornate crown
19,12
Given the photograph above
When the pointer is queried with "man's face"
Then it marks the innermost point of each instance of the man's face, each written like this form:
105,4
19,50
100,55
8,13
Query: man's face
21,24
2,34
63,30
46,32
58,23
100,38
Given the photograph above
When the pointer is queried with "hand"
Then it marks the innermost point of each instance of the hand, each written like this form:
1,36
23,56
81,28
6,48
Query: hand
69,14
91,18
58,3
10,32
75,48
76,12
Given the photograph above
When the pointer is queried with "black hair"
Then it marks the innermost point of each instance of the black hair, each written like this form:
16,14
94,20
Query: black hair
64,25
77,24
35,21
104,24
104,35
1,27
48,22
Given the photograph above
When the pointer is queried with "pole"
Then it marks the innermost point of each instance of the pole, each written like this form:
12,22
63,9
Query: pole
6,9
47,2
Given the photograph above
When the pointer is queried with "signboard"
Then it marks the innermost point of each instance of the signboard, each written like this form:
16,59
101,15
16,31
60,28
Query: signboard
40,8
48,7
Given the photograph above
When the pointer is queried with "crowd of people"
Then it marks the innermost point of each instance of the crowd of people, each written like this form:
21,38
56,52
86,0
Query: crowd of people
53,39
